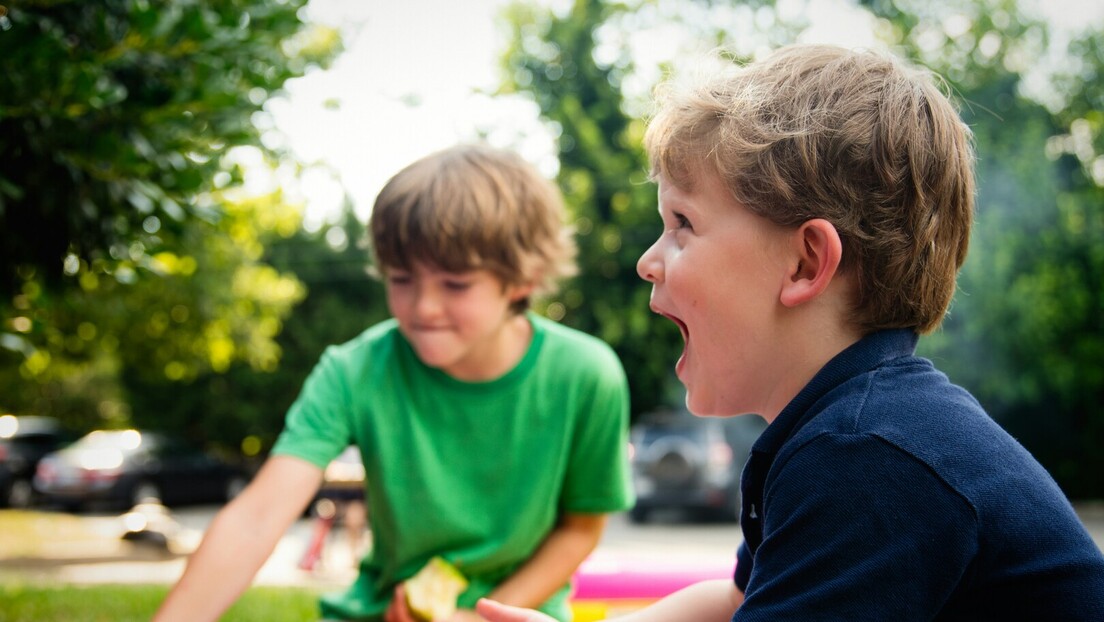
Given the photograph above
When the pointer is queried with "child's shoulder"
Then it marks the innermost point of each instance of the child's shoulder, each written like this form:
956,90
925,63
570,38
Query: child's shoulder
565,336
373,335
370,344
572,346
908,404
880,389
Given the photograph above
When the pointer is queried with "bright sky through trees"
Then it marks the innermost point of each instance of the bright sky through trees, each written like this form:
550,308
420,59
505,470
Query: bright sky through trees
417,76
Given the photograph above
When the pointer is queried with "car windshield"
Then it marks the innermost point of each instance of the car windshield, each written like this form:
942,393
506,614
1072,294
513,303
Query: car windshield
12,427
127,441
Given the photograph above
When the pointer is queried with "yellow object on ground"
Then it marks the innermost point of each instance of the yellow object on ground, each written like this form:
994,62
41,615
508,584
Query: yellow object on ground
431,594
596,610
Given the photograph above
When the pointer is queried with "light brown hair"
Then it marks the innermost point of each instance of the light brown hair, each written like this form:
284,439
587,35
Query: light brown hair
854,137
473,207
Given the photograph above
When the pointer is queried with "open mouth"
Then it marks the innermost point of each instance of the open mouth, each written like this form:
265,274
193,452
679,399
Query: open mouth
681,326
680,365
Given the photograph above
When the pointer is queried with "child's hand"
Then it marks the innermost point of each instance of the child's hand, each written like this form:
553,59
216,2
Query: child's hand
466,615
497,612
397,611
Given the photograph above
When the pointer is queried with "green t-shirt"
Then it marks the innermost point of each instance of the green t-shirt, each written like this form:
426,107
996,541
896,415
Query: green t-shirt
474,472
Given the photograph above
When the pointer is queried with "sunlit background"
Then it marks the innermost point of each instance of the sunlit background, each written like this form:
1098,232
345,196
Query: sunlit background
183,189
422,74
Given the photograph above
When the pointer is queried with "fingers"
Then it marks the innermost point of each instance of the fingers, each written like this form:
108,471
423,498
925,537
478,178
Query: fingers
466,615
397,611
497,612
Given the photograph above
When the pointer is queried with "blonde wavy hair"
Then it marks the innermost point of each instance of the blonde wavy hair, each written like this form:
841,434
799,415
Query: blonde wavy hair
857,138
472,207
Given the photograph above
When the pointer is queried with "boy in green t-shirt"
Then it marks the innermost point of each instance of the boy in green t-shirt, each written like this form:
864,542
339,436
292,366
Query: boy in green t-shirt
491,437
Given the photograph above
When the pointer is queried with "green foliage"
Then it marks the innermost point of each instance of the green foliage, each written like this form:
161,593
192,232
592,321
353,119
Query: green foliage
128,248
177,317
27,602
224,409
115,117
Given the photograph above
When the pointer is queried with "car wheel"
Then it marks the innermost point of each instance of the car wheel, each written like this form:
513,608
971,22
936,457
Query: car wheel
734,510
726,512
21,494
639,514
234,486
145,491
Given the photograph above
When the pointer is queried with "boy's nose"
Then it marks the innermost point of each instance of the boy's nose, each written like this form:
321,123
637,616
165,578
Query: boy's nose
426,303
650,266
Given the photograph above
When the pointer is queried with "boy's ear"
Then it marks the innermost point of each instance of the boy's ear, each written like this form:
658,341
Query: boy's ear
818,251
518,292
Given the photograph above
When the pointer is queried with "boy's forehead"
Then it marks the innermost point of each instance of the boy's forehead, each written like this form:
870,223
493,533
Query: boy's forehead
681,191
431,270
689,176
428,267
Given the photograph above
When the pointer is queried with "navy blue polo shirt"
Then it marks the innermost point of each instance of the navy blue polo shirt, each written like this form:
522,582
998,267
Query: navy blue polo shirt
884,492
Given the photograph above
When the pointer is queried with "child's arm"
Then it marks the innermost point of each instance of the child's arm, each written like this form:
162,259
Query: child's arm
554,562
240,539
708,601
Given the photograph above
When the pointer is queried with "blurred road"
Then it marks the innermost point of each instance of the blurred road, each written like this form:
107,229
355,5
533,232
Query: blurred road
664,541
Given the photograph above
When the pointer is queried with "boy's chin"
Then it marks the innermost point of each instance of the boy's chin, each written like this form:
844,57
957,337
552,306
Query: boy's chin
699,410
706,408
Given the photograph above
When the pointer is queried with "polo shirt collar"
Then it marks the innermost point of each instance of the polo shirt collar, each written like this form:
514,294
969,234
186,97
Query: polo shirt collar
866,354
860,357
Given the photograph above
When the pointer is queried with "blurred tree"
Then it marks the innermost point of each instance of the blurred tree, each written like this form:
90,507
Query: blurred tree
340,301
197,310
115,117
127,246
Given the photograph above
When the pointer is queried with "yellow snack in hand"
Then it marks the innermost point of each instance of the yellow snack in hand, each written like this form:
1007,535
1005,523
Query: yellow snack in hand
431,594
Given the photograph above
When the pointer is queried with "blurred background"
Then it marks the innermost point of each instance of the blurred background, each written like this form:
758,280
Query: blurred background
183,187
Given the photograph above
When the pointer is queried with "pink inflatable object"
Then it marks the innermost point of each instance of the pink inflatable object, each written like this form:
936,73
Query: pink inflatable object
606,576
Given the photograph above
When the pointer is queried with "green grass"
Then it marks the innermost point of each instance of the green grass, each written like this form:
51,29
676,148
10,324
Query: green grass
57,537
29,602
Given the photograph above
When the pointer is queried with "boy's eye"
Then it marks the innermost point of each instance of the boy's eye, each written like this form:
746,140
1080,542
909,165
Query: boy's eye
681,222
398,279
457,286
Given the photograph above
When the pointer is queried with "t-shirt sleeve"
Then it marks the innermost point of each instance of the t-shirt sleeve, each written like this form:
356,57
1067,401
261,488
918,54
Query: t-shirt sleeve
317,426
855,528
598,477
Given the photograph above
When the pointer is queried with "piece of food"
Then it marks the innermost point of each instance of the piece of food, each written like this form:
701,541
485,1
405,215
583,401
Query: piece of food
431,594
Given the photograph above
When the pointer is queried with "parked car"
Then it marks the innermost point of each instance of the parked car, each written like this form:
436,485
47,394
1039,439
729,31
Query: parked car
343,478
691,463
23,442
122,468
